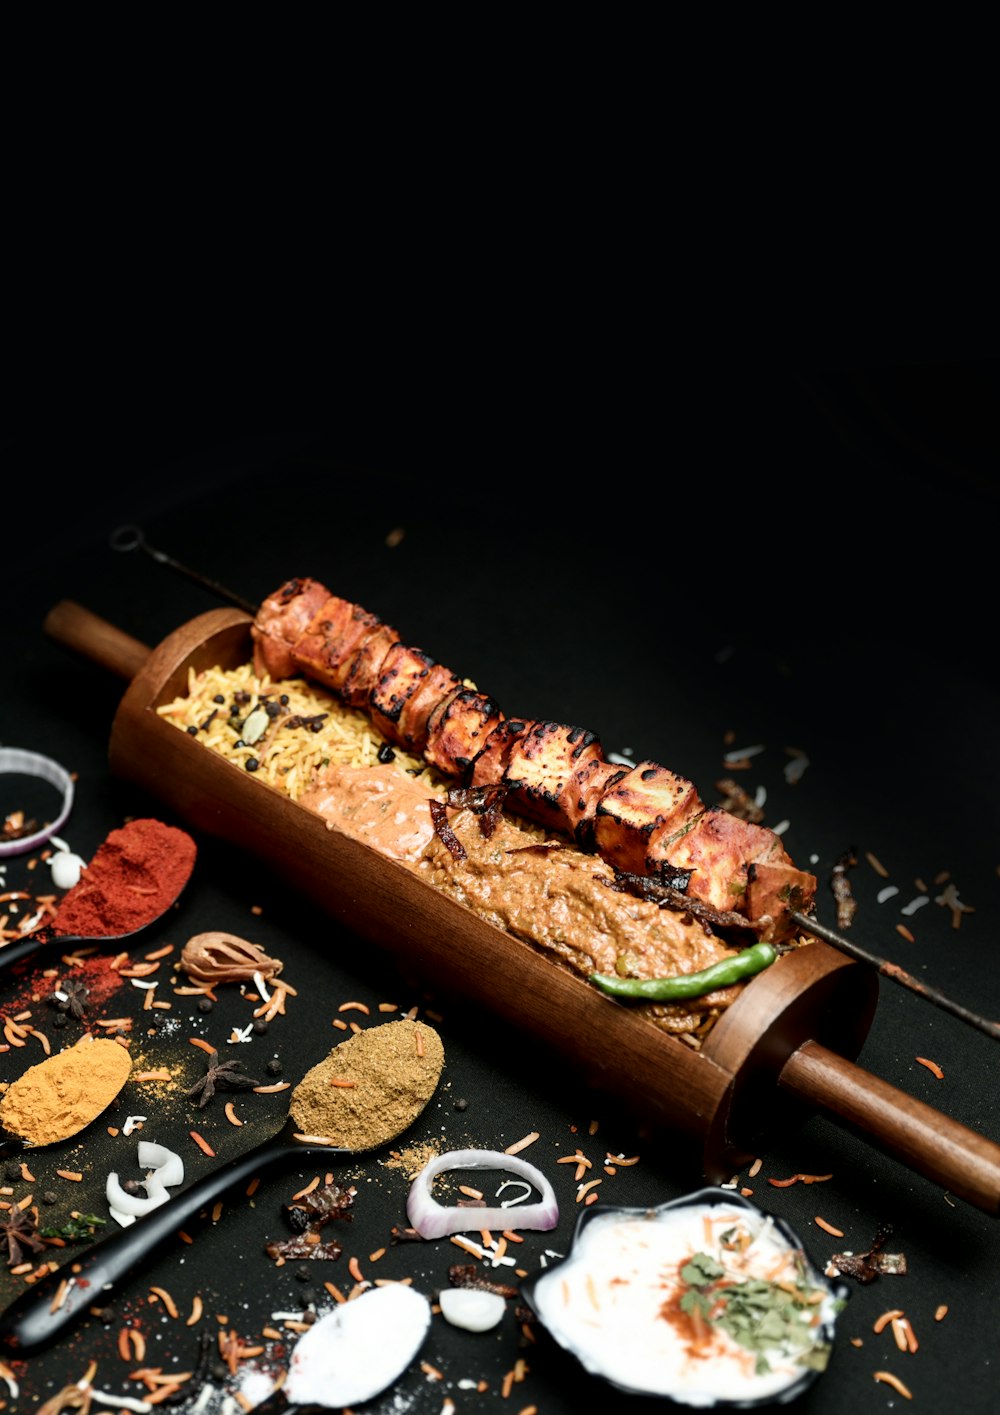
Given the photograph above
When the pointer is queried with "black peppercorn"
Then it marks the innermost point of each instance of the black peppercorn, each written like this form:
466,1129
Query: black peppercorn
13,1171
205,1005
251,763
273,1067
192,731
260,1026
48,1197
386,754
219,698
461,1104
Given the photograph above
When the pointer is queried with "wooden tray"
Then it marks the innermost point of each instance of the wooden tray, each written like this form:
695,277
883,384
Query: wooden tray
786,1047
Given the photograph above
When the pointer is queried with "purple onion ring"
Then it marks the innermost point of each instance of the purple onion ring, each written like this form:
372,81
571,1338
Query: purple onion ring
433,1220
32,764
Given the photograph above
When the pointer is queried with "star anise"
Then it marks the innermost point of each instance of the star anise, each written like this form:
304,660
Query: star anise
220,1075
19,1231
74,997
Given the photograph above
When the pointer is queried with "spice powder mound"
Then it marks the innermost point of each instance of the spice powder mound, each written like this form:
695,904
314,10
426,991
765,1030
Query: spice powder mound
371,1087
58,1097
136,874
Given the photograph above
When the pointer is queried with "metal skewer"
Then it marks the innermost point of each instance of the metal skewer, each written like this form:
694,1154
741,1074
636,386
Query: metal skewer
897,974
132,538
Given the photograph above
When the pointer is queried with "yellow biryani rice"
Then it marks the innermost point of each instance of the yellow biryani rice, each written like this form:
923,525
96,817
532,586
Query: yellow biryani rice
287,757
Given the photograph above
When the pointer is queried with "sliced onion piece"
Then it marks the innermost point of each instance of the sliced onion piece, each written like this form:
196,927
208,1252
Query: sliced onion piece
15,759
168,1164
167,1167
433,1220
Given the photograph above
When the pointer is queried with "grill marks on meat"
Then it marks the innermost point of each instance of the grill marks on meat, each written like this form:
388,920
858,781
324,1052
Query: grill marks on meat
327,649
433,691
457,729
280,622
401,674
643,820
366,665
640,813
541,769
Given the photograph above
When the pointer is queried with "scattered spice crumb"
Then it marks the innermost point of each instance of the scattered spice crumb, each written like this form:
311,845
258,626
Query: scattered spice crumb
932,1066
876,864
522,1144
889,1379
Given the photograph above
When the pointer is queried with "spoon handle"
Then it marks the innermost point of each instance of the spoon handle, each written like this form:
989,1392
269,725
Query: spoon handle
12,953
47,1309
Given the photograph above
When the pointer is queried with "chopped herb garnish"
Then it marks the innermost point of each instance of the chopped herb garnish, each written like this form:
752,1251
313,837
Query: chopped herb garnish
80,1226
759,1315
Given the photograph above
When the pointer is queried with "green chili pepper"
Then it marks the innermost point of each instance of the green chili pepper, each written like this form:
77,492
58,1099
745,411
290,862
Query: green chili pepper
719,975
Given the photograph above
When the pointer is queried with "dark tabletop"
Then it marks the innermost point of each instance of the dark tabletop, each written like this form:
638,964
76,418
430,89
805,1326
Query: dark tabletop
798,557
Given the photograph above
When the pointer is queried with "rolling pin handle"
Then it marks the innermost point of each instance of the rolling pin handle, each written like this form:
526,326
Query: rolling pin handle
88,634
963,1162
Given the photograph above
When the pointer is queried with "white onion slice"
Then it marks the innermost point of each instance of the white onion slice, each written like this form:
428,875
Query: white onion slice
167,1167
432,1220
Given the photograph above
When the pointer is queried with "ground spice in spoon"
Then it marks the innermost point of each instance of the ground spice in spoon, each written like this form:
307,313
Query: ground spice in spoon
135,875
65,1092
371,1087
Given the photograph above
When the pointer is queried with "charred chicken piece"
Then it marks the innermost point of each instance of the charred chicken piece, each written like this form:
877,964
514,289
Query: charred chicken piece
491,762
433,691
637,813
403,670
540,768
280,621
457,729
718,849
580,798
336,631
774,889
366,666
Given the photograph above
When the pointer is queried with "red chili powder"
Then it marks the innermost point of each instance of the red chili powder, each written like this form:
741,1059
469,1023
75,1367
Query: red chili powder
134,876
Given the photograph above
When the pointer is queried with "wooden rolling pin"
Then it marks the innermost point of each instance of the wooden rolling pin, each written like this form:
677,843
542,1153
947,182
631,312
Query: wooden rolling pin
785,1048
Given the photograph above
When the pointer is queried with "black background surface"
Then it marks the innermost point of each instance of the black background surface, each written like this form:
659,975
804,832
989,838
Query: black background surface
801,554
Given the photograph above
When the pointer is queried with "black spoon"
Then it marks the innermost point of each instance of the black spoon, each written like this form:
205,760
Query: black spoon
44,1311
47,938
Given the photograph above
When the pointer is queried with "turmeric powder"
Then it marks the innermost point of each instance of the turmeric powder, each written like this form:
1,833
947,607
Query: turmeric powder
60,1095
